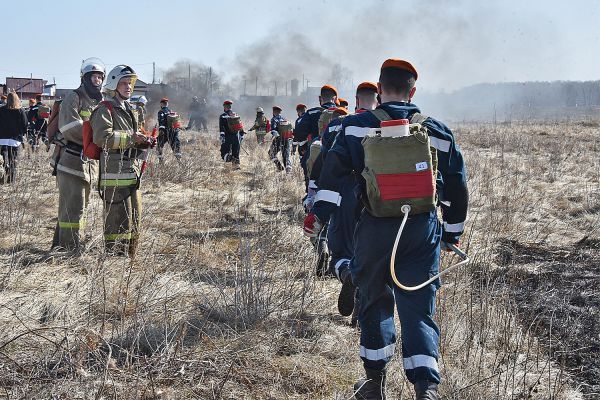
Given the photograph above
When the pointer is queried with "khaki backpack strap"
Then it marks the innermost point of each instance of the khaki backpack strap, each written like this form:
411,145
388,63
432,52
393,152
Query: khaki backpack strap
418,118
381,114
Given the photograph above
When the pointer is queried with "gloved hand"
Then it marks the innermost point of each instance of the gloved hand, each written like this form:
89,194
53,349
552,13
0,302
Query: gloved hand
312,225
445,247
309,200
222,137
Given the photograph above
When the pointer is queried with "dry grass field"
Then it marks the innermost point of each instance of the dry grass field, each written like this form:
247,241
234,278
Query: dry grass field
222,301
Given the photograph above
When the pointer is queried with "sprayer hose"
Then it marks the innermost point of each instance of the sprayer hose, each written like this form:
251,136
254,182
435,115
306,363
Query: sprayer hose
465,259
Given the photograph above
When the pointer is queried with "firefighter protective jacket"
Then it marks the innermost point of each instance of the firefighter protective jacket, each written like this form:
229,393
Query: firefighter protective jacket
162,117
260,124
120,162
347,157
76,108
308,125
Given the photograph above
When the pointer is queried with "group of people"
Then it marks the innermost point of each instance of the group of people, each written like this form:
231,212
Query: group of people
375,180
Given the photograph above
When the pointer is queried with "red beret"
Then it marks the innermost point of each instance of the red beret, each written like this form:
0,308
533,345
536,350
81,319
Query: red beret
342,100
164,99
299,106
329,87
398,63
227,102
367,85
276,108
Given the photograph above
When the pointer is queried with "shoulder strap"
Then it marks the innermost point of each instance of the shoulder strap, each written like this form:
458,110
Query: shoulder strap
108,105
381,114
418,118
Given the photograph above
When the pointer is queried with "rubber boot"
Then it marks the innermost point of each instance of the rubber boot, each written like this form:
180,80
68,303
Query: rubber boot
426,391
372,387
346,296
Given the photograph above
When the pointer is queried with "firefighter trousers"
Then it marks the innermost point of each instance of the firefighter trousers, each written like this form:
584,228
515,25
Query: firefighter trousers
73,198
340,231
417,259
172,137
230,148
285,147
122,211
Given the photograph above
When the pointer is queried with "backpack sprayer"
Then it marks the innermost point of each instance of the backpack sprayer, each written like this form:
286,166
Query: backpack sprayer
465,259
399,186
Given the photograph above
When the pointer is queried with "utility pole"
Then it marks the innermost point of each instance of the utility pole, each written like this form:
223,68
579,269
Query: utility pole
153,72
189,76
275,88
286,85
256,88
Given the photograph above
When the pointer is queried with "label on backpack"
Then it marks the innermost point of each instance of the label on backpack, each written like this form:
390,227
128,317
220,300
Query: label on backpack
421,166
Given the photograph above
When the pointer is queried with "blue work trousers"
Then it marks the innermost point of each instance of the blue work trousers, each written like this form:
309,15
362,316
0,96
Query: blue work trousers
417,259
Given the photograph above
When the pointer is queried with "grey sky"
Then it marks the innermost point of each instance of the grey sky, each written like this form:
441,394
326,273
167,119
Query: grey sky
452,43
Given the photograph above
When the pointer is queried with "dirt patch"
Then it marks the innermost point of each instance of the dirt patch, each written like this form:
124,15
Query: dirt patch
556,293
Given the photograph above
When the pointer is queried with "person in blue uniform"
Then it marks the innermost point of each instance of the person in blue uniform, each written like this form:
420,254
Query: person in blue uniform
418,252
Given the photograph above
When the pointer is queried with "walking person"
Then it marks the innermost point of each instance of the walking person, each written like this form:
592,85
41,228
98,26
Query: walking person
396,171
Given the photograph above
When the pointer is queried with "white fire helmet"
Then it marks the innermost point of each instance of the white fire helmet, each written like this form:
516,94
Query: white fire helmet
116,74
92,64
260,110
142,100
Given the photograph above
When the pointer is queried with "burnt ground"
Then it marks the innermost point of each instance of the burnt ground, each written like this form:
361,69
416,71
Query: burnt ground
557,293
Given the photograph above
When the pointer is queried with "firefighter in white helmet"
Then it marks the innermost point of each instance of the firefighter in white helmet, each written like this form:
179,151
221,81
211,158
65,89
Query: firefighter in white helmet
116,130
74,173
261,125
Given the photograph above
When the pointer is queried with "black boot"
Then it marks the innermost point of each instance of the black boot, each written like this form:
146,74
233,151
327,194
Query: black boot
346,296
372,387
426,391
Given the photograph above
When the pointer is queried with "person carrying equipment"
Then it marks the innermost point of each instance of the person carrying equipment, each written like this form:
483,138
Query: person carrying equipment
300,111
262,125
115,129
307,127
75,172
397,153
340,230
231,134
169,126
37,116
197,114
282,132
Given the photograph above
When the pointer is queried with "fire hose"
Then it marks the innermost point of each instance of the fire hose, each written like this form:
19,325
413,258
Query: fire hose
465,258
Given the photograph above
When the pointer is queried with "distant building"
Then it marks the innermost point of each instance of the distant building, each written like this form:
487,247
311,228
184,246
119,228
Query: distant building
140,88
26,88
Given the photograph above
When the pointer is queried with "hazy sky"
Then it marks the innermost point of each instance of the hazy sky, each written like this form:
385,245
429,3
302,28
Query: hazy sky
451,43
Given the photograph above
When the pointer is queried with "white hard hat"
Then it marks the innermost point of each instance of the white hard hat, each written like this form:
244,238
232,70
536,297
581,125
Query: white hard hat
142,100
116,74
92,64
260,110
